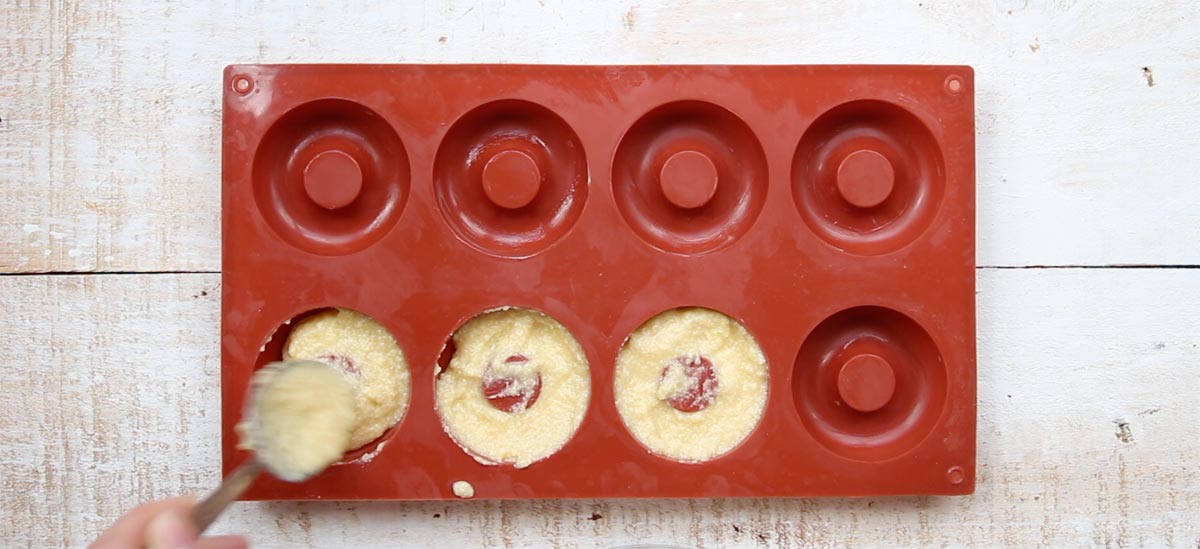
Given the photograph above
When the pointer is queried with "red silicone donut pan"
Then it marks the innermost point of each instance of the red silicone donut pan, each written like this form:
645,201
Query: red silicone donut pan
829,209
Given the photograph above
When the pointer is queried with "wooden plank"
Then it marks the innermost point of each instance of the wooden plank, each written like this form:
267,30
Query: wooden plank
1089,430
1088,119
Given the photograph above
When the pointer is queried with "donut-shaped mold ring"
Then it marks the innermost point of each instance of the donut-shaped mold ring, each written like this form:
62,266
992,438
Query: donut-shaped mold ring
689,177
330,177
511,178
868,177
869,383
512,387
366,352
691,384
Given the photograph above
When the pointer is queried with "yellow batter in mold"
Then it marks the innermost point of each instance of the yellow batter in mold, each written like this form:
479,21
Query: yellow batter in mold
358,345
299,418
541,366
653,370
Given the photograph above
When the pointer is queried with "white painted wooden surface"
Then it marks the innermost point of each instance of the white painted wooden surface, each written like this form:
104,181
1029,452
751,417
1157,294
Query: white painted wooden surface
110,142
1089,379
1089,430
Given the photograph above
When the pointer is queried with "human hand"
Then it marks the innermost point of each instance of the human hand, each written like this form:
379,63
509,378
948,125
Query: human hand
165,524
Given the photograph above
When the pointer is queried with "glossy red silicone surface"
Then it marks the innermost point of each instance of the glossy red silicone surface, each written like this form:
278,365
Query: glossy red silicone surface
829,209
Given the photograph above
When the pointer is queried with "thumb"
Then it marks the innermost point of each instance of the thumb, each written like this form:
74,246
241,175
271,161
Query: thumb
172,529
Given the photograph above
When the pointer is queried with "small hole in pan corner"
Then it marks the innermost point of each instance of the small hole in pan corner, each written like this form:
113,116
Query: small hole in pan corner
954,84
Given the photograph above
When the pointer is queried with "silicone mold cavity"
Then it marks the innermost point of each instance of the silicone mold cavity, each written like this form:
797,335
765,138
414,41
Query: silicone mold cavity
869,383
272,351
511,178
330,177
507,398
689,177
868,177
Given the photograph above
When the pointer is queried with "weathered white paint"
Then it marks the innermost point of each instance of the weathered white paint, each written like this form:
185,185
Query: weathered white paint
110,110
1089,380
1089,430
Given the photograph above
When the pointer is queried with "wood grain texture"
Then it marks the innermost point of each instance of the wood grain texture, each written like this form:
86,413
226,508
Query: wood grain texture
1089,430
1089,379
1088,116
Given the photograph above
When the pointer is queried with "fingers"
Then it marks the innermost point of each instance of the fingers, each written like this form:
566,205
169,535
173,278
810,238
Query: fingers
130,529
172,529
165,524
223,542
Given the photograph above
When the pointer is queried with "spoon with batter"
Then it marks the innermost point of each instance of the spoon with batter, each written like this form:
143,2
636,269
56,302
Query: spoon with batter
298,421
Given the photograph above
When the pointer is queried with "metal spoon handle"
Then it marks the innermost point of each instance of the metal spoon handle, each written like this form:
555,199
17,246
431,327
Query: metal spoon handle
207,511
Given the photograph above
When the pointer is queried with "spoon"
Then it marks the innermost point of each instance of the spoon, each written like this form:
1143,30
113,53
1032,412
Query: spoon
290,438
207,511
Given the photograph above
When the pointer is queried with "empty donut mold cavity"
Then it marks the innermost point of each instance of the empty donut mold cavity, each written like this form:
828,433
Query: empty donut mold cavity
869,383
689,177
868,177
330,177
510,178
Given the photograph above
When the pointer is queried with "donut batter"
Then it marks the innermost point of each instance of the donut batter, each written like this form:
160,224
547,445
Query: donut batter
463,489
516,389
691,384
299,418
358,345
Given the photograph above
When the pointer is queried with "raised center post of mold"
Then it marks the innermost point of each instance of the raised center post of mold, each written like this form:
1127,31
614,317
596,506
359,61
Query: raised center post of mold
332,179
865,178
866,382
689,383
688,179
511,386
511,179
